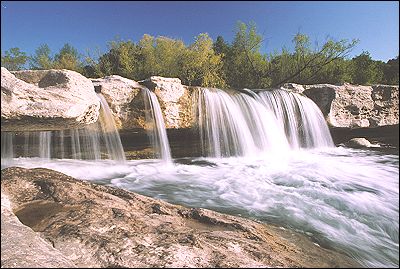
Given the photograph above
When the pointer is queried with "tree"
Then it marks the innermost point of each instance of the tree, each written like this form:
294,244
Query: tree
220,46
41,59
391,71
201,66
68,58
244,65
14,59
310,63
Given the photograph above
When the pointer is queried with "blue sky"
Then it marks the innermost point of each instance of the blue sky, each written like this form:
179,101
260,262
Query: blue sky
87,25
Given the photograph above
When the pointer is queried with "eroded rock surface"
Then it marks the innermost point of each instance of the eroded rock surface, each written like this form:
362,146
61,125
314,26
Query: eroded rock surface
353,106
100,226
61,99
22,247
125,98
175,101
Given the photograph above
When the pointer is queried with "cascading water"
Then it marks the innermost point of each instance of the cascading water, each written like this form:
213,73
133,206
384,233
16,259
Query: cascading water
300,118
7,147
94,142
109,132
246,124
156,127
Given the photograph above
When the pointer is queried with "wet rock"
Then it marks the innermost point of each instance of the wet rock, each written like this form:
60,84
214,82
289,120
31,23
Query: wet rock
125,99
61,99
354,106
360,142
175,100
101,226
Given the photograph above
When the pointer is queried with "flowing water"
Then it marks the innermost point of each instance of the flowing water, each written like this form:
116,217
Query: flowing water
156,126
96,141
299,117
267,156
344,199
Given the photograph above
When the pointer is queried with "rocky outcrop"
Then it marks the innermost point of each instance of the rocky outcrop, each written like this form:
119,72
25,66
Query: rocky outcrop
175,100
22,247
100,226
125,99
354,106
62,99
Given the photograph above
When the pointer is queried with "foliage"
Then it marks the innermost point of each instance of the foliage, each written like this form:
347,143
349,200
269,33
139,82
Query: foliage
14,59
307,65
41,59
239,64
391,71
67,58
244,65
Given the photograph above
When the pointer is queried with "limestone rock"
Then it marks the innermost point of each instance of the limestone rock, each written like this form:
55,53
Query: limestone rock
175,100
125,99
354,106
30,76
21,247
62,99
293,87
101,226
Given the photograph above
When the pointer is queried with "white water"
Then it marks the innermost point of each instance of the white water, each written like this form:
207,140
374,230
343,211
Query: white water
156,126
97,141
233,123
343,198
299,117
236,124
109,132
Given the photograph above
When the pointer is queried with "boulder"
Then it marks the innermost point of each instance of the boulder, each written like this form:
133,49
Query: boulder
125,98
353,106
101,226
360,142
175,100
62,99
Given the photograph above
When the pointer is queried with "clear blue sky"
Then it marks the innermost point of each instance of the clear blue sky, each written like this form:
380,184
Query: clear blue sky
87,25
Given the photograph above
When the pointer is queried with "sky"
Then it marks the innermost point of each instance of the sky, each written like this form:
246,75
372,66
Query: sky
89,25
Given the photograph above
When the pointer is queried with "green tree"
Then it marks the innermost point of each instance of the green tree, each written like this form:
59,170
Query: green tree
201,66
361,68
41,59
68,58
14,59
310,63
391,71
244,65
220,46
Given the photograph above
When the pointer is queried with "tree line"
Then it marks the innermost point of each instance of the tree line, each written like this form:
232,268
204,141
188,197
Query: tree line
208,63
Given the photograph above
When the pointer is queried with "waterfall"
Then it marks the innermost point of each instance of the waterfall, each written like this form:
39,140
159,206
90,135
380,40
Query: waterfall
110,132
96,141
45,145
300,117
235,124
243,123
7,147
155,126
